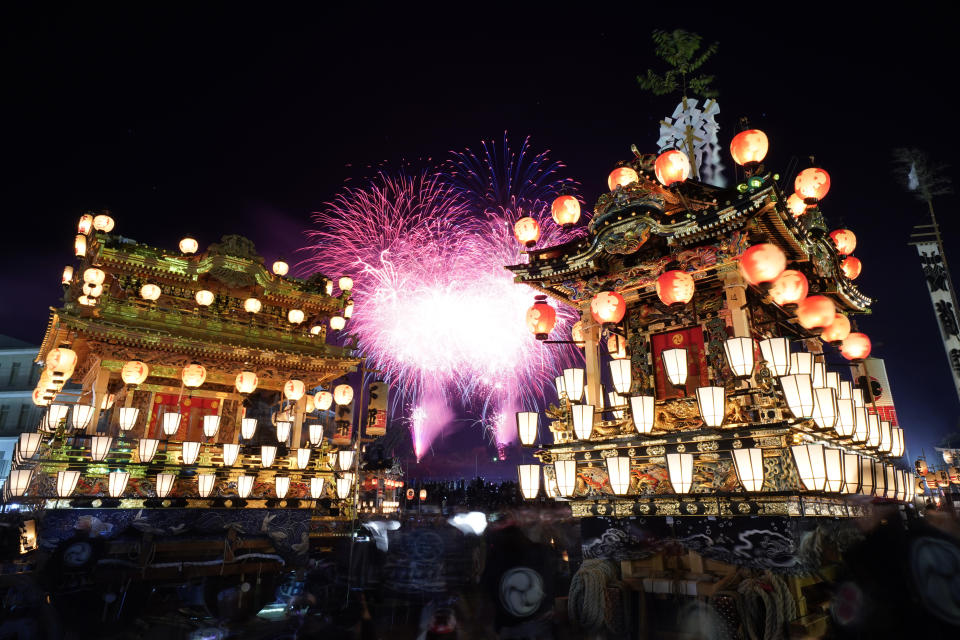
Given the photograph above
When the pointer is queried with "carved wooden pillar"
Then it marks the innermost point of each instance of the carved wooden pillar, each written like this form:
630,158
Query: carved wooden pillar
298,412
735,291
591,351
100,385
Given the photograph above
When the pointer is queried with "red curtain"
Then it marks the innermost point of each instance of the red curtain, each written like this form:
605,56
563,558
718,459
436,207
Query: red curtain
697,373
192,410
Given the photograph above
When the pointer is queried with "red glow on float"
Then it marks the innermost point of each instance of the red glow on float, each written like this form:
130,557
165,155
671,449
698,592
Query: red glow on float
565,211
527,231
541,317
845,241
856,346
675,287
672,166
749,147
762,263
608,307
621,177
816,311
851,267
812,184
796,205
790,288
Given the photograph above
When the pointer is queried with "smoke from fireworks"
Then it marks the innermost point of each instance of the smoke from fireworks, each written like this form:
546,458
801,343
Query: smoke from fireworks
434,308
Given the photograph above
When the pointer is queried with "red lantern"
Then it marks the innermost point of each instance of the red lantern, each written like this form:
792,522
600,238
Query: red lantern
672,166
789,289
749,147
527,231
845,241
621,177
608,307
838,330
762,263
796,205
851,267
541,317
565,211
675,287
812,184
816,311
856,346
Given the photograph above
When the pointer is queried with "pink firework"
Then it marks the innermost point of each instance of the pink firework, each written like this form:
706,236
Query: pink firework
435,309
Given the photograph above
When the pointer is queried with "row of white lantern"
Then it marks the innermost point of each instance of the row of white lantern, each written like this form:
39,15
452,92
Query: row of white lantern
206,482
820,469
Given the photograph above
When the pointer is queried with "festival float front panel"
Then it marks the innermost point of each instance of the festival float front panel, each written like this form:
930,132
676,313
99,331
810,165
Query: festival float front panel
717,335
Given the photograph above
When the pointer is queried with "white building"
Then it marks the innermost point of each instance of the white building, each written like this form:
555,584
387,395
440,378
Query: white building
18,376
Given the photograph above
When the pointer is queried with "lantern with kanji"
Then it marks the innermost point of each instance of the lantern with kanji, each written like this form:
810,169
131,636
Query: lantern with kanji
541,317
527,231
816,312
621,177
193,375
812,185
838,330
565,211
851,267
762,263
294,389
608,307
246,382
796,206
844,240
134,372
675,287
789,289
672,166
749,147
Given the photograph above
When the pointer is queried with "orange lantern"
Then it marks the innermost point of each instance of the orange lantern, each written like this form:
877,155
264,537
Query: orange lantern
762,263
67,277
789,289
40,397
816,311
675,287
576,333
621,177
80,245
851,267
527,231
749,147
672,166
856,346
565,211
193,375
247,382
61,361
812,184
134,372
188,245
838,330
103,222
281,268
85,224
845,240
541,317
796,206
294,389
608,307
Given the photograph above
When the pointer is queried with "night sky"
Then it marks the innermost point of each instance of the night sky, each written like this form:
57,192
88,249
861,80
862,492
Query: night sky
216,121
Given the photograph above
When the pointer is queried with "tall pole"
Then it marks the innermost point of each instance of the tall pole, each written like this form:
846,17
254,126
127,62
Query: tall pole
929,243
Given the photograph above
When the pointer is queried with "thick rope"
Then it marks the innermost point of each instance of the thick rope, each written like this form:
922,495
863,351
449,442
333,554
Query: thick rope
587,602
766,606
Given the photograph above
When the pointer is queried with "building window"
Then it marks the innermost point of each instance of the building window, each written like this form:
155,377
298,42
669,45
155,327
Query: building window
4,410
14,372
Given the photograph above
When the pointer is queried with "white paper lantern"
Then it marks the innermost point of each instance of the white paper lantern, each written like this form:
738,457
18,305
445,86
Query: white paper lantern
343,394
128,418
833,464
248,427
811,465
19,481
189,452
316,488
268,454
344,485
642,409
230,454
566,475
527,422
205,484
573,383
244,485
583,415
316,433
798,392
211,424
283,430
618,472
748,463
620,373
117,483
529,480
67,482
303,458
825,408
739,356
851,472
165,484
680,470
100,447
171,422
82,415
281,484
711,402
675,365
776,353
147,448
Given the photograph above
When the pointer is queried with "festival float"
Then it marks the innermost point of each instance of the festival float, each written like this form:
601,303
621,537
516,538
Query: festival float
209,426
718,411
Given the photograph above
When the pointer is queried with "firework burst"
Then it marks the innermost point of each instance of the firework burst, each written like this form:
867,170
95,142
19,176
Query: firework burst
435,309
